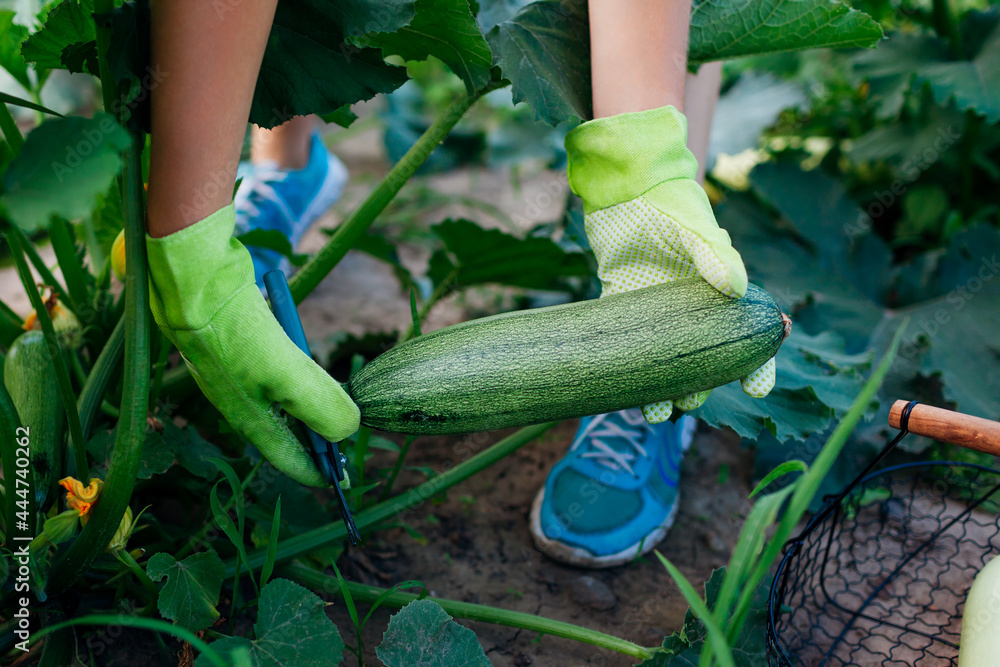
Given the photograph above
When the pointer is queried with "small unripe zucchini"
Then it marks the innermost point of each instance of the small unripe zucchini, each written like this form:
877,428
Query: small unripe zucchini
30,378
571,360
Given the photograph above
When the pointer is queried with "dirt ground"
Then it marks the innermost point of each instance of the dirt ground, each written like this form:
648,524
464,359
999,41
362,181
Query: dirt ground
478,545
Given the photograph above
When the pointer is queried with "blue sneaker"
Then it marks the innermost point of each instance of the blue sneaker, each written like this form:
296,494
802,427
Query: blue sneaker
286,200
613,496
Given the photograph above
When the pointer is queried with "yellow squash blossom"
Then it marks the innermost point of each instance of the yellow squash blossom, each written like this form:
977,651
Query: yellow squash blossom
80,497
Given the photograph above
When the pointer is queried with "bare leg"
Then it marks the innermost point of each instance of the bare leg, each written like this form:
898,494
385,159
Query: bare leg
200,110
701,95
638,54
287,144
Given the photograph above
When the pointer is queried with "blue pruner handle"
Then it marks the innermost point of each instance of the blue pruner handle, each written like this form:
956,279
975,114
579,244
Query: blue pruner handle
326,454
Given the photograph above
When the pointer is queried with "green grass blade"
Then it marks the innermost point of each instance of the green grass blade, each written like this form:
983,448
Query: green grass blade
229,528
414,315
272,544
716,636
8,126
105,369
785,468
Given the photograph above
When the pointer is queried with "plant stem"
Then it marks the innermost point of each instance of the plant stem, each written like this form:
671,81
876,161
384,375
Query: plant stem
156,625
127,452
14,237
324,583
347,234
324,536
10,130
139,573
440,292
397,466
73,272
100,376
947,27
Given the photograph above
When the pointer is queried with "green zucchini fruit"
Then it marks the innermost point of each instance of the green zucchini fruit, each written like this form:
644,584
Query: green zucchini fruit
30,378
571,360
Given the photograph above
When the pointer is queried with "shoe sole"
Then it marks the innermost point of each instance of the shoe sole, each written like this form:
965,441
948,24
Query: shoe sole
570,555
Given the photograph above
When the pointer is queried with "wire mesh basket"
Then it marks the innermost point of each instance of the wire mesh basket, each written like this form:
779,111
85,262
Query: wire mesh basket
880,574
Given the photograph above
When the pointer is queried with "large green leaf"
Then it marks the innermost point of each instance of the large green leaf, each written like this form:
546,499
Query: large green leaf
544,50
973,81
65,165
11,36
474,256
422,634
192,589
291,629
312,66
722,29
816,381
447,30
65,40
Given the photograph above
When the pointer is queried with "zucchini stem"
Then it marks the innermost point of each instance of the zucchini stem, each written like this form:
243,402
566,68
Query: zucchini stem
324,583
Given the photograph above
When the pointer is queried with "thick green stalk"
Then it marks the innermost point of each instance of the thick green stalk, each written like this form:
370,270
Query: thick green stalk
324,536
108,512
14,237
349,231
10,130
317,581
100,376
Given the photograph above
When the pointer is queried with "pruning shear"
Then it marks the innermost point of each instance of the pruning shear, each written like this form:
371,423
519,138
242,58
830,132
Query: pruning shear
326,454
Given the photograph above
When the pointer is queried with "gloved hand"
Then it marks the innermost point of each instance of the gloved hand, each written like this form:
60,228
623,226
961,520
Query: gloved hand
649,221
203,297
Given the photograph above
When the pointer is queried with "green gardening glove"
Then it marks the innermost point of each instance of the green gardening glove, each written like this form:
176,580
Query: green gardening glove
204,298
649,221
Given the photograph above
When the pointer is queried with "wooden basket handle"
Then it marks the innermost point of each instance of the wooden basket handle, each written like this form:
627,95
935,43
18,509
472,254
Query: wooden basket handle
964,430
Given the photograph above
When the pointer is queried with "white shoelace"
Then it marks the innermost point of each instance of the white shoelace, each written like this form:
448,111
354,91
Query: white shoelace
259,185
604,454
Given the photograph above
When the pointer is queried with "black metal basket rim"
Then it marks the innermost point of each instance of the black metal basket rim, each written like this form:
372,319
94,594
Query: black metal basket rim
791,547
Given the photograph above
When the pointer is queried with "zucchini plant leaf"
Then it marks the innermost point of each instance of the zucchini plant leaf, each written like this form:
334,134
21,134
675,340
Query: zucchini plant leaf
723,29
11,36
544,50
447,30
474,256
837,278
157,457
192,588
312,66
422,634
916,60
65,165
291,629
65,39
